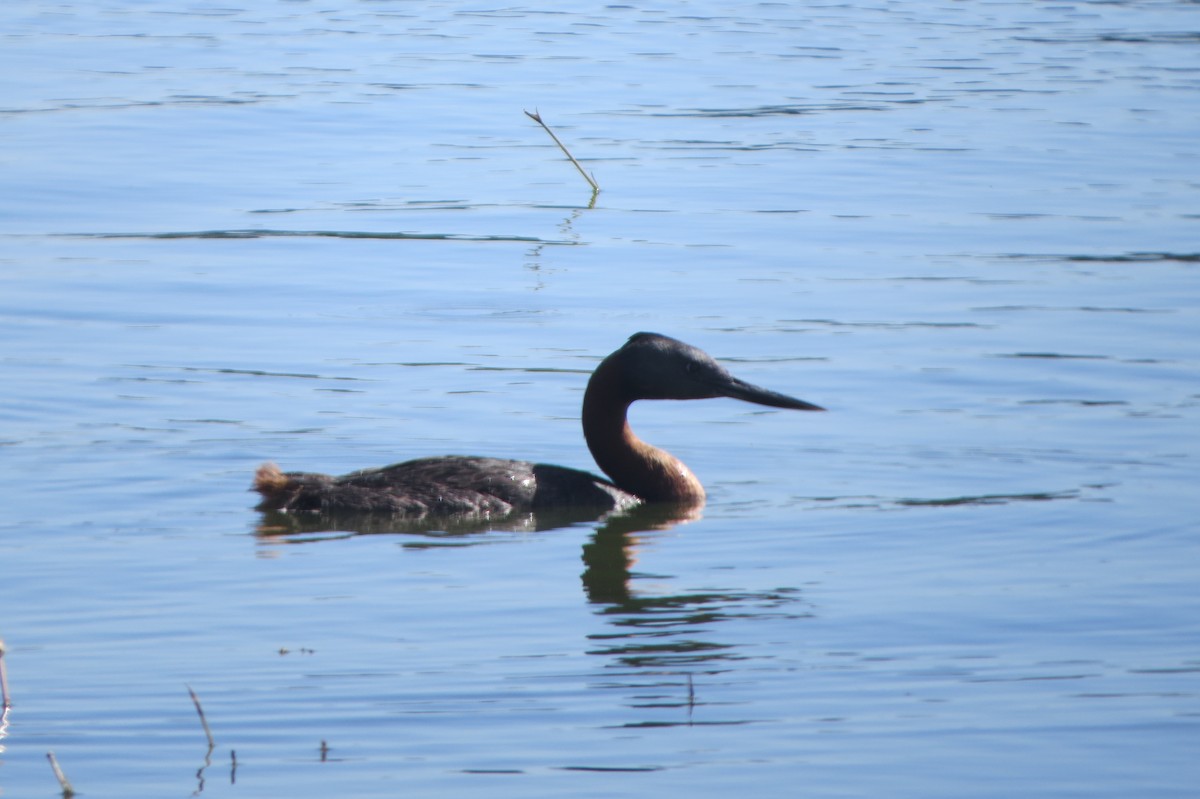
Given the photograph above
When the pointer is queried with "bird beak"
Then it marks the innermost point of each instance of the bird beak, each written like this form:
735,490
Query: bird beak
748,392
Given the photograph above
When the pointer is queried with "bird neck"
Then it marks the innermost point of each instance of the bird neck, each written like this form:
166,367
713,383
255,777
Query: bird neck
646,471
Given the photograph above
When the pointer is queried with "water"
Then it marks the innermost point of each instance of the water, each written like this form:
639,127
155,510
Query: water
967,229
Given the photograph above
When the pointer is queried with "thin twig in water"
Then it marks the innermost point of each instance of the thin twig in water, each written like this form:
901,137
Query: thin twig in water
691,697
4,680
536,117
203,721
64,783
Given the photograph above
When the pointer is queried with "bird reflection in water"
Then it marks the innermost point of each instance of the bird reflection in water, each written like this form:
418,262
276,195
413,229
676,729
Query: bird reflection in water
649,630
668,633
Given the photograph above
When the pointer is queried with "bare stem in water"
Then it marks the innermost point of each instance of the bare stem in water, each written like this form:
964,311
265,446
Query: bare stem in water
536,117
64,783
4,680
203,721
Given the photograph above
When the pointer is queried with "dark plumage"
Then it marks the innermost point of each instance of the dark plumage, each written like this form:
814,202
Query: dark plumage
447,485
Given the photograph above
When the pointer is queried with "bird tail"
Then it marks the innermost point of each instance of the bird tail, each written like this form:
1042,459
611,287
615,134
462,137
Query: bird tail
269,480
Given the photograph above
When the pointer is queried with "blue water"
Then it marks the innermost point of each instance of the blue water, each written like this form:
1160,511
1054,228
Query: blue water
329,237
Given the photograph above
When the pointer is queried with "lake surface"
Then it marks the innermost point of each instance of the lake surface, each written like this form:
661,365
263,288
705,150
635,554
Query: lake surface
327,235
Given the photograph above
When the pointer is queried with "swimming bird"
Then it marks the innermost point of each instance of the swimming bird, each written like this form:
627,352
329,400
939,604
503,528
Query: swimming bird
648,366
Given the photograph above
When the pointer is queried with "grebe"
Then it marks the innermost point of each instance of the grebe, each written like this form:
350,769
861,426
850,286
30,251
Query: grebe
647,366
